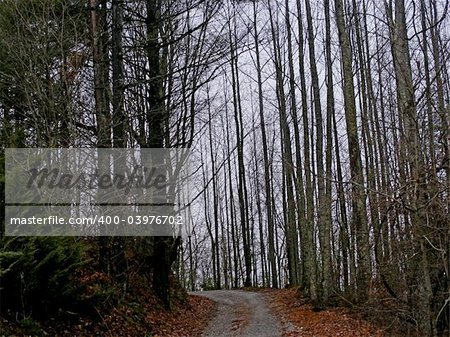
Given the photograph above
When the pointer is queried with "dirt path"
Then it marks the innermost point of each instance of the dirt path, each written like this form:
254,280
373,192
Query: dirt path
242,313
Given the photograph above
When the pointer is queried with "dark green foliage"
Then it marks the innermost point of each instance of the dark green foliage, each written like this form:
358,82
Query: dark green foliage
208,284
37,275
31,327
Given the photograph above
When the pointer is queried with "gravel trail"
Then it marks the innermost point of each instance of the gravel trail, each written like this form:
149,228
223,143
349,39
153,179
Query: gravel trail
241,313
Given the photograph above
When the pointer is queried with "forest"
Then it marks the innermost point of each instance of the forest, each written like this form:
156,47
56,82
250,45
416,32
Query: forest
319,149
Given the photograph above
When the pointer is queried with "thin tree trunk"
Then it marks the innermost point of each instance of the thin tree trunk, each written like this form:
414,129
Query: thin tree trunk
241,170
359,217
102,113
287,162
236,255
309,250
323,221
267,178
212,151
328,282
410,139
119,122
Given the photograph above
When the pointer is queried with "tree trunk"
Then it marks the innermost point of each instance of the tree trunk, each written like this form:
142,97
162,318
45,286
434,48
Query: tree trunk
267,178
309,249
359,216
410,139
287,162
242,189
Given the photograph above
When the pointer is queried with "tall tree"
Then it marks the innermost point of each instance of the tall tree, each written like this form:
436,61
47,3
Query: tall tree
242,186
322,219
267,179
119,129
309,251
327,271
359,217
412,156
163,246
287,158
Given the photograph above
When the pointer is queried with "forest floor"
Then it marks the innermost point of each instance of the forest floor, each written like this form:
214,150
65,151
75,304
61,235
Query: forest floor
128,320
290,306
141,314
250,312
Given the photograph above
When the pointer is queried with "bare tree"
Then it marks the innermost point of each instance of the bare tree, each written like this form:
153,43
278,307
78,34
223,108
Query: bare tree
359,218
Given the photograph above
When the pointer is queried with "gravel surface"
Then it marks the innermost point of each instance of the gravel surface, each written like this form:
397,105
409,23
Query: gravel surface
241,313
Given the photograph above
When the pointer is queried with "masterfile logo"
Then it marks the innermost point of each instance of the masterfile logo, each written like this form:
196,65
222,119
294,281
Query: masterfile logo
141,177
